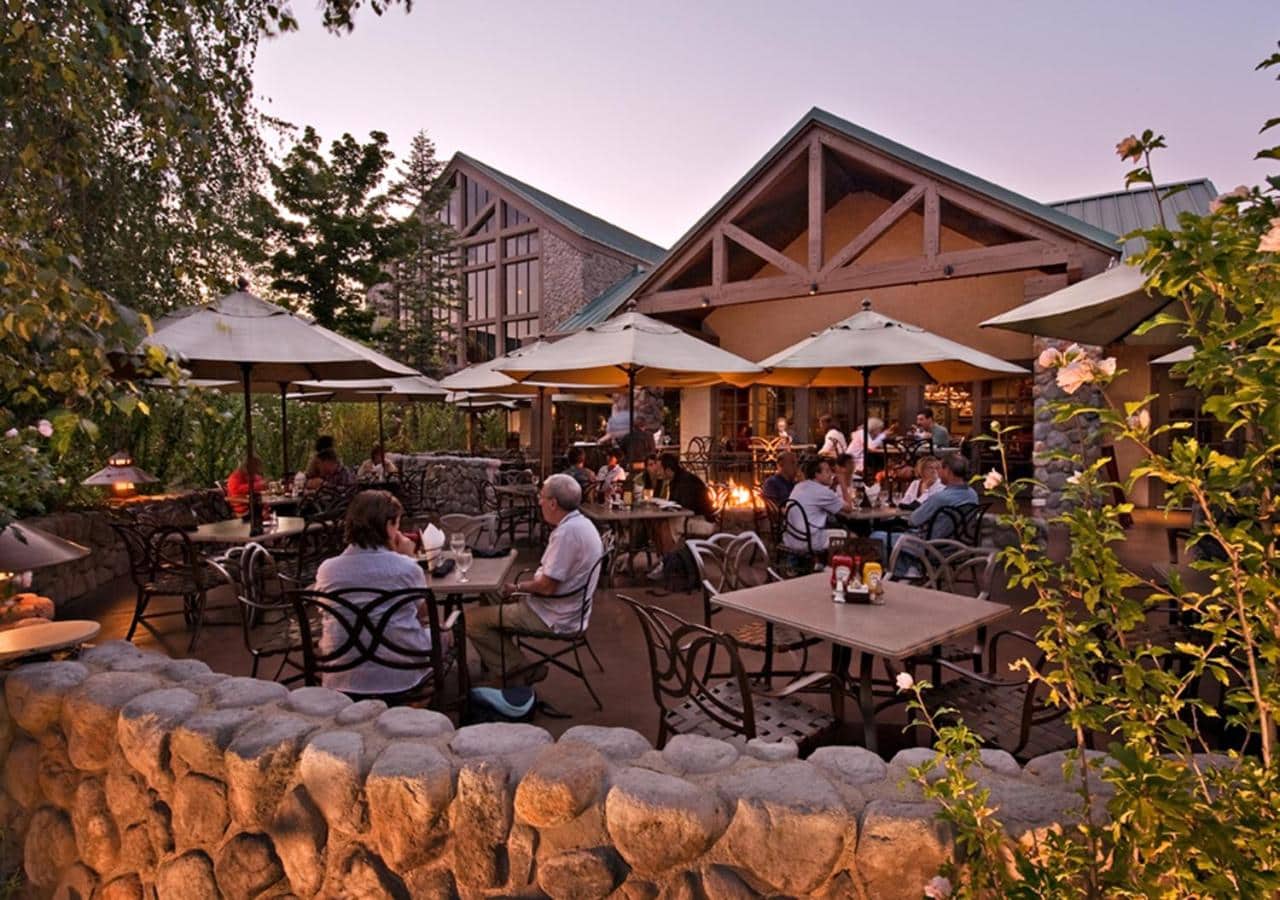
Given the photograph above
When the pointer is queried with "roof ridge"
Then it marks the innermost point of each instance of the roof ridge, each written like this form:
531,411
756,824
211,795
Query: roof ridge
1184,182
562,211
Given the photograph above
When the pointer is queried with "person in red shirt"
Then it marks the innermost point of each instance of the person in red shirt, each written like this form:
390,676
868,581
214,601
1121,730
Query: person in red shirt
238,484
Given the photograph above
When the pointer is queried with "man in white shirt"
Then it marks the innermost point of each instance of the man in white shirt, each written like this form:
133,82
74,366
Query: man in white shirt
818,499
550,601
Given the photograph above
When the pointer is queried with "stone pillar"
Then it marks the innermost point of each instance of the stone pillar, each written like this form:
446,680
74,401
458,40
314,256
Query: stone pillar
1080,436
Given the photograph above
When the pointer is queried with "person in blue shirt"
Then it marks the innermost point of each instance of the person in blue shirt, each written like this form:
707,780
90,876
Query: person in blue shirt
777,487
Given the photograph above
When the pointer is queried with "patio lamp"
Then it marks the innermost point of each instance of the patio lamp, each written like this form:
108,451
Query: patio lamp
24,548
121,475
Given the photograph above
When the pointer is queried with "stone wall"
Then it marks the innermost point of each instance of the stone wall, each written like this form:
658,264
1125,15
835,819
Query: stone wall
571,278
452,481
108,560
1080,435
129,775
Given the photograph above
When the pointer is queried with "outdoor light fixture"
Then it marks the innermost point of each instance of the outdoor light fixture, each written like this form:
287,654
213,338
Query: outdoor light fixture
120,474
813,289
948,270
706,301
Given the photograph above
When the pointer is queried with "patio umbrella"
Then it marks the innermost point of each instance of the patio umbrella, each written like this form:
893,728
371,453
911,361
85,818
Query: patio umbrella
627,351
1181,355
403,389
885,352
1100,310
244,338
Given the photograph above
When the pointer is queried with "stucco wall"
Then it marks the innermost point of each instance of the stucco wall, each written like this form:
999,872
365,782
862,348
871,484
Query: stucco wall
128,773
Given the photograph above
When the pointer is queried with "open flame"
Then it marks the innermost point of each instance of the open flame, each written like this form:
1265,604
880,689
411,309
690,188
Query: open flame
739,495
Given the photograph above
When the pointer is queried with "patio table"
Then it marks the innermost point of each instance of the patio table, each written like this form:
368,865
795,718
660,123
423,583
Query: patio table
236,531
911,621
486,576
33,640
624,520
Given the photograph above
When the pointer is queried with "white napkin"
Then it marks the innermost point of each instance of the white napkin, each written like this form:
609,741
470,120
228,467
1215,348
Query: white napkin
432,537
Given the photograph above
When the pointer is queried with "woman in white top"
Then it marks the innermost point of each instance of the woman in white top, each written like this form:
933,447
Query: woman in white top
876,434
927,482
377,467
782,434
833,442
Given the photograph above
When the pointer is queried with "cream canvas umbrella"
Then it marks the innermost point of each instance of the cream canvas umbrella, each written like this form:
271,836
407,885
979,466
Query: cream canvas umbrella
885,352
629,351
244,338
1181,355
1100,310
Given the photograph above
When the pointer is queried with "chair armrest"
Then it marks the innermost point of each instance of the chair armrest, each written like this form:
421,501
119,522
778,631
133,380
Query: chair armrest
970,675
1012,633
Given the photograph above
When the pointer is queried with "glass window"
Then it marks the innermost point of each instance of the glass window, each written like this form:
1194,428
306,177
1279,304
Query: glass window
480,253
451,214
513,217
521,245
482,343
477,199
523,288
480,290
515,333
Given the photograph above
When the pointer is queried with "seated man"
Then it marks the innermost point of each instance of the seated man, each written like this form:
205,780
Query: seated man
955,492
330,472
926,427
777,487
692,493
377,556
246,477
573,549
651,479
323,442
818,499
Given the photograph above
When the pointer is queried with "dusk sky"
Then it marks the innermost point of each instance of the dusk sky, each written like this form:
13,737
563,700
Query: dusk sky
644,113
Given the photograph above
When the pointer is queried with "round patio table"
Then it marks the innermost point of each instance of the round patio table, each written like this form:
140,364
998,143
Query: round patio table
32,640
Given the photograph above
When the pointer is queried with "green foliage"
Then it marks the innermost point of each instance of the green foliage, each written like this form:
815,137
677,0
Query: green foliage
329,233
1177,825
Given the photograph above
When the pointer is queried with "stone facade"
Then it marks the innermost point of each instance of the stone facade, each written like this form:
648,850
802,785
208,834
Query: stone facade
1080,435
571,278
452,482
128,774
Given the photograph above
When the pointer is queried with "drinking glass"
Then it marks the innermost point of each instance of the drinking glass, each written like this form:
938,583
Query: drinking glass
464,564
457,542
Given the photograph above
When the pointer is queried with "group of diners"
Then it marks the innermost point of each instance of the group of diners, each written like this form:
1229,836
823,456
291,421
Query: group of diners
324,470
877,434
379,557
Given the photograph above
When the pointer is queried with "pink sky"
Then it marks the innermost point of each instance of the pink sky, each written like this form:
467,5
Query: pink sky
644,113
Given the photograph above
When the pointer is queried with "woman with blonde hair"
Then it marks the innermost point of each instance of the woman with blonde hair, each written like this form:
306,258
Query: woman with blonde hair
926,484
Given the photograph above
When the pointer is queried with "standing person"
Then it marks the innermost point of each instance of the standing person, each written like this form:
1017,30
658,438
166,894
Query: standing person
246,477
926,427
777,487
833,441
927,481
377,467
568,563
377,555
782,434
818,499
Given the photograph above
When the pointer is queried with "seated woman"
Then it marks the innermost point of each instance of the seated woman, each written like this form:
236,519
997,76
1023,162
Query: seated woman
612,470
926,484
246,477
377,467
377,556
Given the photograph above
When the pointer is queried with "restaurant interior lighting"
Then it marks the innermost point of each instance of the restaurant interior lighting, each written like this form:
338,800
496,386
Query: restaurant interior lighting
120,474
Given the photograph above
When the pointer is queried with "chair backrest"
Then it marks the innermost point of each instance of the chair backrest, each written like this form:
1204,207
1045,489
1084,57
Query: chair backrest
795,525
136,538
948,565
478,531
747,562
681,654
343,630
961,523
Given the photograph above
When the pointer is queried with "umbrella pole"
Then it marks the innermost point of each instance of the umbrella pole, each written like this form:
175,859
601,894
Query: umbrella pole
866,426
631,415
382,441
284,430
543,427
255,518
471,429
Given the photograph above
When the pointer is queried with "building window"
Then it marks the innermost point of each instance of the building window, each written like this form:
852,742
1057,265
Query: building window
482,343
513,217
478,254
521,245
524,288
477,199
516,332
480,290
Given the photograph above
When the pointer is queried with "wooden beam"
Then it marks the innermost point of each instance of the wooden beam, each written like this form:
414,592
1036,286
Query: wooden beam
719,259
867,237
681,261
932,222
762,250
479,219
817,205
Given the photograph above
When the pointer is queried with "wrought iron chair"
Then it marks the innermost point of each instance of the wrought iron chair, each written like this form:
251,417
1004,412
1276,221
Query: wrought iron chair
690,701
568,642
343,630
163,562
729,562
954,568
479,532
510,513
793,562
1012,714
266,616
961,523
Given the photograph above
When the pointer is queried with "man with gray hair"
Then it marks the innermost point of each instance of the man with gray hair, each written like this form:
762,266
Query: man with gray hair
550,601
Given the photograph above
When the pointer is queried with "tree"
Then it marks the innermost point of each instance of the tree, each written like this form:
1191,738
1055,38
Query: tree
329,234
422,296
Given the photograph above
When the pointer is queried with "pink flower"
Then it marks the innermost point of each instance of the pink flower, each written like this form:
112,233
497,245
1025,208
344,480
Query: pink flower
1270,242
992,480
904,681
1140,421
1229,199
1050,358
11,433
1074,375
45,427
1105,367
1129,148
938,888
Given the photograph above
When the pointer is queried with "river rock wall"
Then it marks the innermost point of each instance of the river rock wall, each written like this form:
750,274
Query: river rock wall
130,775
452,483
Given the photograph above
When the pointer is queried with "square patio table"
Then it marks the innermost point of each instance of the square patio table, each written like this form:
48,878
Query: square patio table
911,621
625,518
487,576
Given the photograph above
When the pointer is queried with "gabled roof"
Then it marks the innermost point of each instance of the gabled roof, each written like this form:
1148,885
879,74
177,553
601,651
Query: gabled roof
578,221
605,304
1124,211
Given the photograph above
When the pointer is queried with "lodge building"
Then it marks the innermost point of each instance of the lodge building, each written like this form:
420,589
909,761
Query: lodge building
831,215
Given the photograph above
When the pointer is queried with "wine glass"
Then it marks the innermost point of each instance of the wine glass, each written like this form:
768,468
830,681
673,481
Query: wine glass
457,542
464,564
